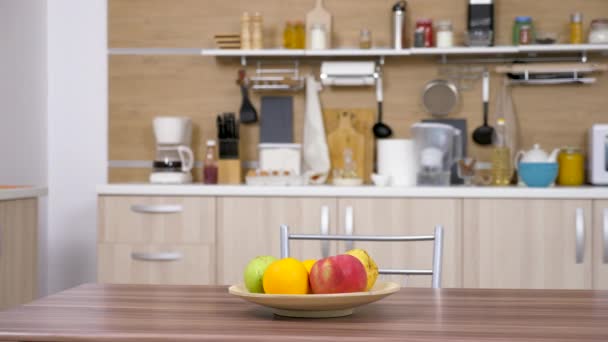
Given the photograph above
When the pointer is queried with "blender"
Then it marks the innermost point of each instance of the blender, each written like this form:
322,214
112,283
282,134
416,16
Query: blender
437,148
174,158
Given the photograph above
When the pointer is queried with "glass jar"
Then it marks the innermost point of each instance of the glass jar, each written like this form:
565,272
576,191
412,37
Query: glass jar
519,22
576,28
444,35
525,35
318,38
289,36
599,32
571,167
365,39
426,26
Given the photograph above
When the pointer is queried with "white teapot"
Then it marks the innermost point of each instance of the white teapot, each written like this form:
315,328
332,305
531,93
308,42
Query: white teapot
536,155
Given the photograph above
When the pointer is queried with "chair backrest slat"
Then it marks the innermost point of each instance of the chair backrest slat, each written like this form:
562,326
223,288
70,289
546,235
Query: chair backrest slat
437,238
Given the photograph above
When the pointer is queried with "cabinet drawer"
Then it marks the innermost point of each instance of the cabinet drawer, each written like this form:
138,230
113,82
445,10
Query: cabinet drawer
156,264
156,219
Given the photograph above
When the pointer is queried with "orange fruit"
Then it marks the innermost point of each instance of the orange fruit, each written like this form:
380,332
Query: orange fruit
286,276
308,264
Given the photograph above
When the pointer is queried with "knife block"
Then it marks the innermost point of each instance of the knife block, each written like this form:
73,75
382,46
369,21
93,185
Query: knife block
229,171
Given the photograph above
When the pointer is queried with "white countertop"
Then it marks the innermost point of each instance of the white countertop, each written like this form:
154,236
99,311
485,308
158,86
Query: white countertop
19,193
360,191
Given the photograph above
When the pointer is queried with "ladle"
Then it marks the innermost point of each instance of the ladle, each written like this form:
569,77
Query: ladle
483,134
380,129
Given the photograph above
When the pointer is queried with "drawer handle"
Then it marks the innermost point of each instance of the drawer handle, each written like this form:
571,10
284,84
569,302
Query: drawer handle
167,256
157,209
580,236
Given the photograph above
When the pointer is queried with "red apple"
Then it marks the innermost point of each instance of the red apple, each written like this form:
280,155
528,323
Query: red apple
338,274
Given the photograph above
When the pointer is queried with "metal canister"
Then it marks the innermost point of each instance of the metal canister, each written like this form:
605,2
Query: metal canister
398,29
571,167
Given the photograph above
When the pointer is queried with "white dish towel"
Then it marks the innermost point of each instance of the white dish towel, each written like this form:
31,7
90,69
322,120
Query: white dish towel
314,145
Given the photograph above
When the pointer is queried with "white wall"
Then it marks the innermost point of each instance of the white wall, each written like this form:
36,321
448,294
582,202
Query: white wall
77,136
23,114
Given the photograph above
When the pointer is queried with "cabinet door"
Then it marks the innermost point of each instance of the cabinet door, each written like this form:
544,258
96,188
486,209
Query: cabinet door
249,227
517,243
378,216
18,252
600,245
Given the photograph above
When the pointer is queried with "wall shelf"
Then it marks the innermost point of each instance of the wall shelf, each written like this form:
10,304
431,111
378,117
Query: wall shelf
461,51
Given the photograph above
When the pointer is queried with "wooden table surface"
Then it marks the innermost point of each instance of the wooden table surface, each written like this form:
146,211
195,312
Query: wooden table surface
195,313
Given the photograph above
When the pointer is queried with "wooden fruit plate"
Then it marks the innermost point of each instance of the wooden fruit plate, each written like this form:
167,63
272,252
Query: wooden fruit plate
316,305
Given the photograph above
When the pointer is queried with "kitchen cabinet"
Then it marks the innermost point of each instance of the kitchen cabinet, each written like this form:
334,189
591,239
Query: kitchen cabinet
156,240
413,216
18,251
249,227
519,243
600,245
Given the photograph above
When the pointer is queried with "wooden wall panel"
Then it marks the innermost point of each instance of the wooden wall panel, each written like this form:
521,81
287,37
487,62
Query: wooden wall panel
142,87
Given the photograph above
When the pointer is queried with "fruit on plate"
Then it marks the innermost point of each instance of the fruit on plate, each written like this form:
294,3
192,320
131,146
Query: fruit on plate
368,263
254,272
286,276
308,264
338,274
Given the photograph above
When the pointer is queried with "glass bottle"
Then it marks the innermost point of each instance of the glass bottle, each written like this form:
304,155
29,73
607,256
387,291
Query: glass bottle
210,164
576,28
289,36
502,169
299,41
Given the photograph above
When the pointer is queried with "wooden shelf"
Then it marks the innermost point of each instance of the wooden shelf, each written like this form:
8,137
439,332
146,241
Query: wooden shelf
380,52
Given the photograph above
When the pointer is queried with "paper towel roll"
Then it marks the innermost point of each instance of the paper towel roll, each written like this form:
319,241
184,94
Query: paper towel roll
396,159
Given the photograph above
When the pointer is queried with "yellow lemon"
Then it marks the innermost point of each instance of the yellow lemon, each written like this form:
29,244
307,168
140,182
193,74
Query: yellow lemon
286,276
308,264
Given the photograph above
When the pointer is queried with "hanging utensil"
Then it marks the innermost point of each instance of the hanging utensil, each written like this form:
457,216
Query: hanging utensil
440,97
247,113
380,129
483,134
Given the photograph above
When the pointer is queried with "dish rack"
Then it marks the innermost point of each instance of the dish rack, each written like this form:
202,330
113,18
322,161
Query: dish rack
277,78
551,73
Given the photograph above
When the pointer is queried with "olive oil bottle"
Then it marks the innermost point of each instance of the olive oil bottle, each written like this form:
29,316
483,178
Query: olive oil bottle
502,169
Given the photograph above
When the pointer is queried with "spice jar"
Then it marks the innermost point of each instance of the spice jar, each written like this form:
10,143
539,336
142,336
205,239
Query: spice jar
599,32
365,39
576,28
519,22
299,35
426,26
444,35
571,167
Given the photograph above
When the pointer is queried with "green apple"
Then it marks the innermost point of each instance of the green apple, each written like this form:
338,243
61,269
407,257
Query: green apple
255,271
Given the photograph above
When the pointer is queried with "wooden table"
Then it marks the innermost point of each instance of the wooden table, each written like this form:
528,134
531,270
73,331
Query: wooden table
195,313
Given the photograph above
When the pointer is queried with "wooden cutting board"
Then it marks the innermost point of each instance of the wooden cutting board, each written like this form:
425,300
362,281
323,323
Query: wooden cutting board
362,121
319,15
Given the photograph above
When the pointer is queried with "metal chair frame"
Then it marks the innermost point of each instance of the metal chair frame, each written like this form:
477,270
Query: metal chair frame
435,272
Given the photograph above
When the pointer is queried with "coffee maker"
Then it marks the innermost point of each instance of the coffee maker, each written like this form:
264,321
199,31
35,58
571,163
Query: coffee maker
480,23
437,147
174,158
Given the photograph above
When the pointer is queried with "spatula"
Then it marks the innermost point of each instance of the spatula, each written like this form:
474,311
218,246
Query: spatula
320,16
247,113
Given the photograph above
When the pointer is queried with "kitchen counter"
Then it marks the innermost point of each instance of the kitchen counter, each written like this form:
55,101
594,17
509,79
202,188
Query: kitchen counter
12,192
360,191
96,312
